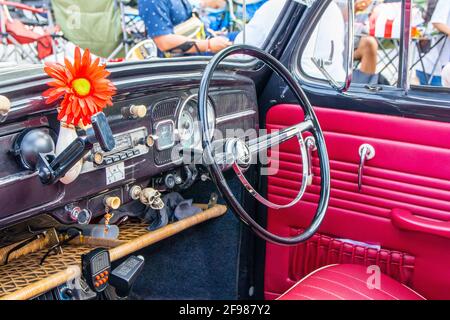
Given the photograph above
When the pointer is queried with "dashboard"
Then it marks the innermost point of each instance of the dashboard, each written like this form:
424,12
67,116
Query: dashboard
146,150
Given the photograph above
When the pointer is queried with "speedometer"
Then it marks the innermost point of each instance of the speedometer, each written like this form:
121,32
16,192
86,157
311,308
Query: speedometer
186,128
189,126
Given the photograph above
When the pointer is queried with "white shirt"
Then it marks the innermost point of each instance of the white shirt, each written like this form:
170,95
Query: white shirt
258,28
441,15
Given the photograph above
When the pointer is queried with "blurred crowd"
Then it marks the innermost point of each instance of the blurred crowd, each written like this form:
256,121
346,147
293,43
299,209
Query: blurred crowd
380,20
39,30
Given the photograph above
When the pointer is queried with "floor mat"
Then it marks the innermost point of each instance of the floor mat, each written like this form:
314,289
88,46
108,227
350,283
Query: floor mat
199,263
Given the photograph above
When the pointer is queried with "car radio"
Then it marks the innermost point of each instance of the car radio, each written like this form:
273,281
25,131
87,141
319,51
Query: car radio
129,144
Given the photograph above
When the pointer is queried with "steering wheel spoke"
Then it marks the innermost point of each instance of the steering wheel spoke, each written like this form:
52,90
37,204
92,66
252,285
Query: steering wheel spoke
275,138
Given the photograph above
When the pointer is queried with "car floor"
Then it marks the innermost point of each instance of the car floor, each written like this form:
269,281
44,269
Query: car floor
199,263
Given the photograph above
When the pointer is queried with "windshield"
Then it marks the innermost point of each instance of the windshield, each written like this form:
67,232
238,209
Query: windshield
121,31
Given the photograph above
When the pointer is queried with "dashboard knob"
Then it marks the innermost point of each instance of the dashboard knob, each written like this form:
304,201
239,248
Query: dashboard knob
97,158
5,106
150,141
135,192
169,181
112,202
84,216
73,212
135,111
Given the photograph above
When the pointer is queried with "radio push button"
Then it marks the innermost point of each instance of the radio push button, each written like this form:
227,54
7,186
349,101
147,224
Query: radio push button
122,155
108,160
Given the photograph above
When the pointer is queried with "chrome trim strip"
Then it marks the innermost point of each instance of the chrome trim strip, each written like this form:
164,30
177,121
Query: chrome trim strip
234,116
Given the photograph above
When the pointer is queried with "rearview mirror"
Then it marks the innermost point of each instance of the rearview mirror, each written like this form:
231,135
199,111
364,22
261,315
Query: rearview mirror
328,55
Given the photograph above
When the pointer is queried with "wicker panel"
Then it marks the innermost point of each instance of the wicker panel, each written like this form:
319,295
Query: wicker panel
130,231
26,270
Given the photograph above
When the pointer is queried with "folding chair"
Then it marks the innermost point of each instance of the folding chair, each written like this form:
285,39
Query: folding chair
100,25
26,41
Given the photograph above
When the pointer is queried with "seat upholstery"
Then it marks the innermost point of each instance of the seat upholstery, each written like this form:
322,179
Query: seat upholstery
347,282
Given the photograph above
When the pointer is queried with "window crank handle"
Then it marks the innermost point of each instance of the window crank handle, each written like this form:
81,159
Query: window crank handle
366,152
310,143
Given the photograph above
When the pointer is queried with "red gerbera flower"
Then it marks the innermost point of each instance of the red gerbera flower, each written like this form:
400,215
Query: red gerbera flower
83,84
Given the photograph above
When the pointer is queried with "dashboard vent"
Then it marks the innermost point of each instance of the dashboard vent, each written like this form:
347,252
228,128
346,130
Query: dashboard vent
165,109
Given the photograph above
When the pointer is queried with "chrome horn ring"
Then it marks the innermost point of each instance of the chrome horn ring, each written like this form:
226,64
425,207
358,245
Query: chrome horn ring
248,186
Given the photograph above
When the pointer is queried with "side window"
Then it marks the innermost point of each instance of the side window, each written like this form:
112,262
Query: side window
376,42
325,54
430,45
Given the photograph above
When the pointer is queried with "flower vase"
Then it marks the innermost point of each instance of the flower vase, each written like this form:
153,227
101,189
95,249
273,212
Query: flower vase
67,134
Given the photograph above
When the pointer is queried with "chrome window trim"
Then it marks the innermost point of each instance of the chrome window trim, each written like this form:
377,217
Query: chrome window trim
405,47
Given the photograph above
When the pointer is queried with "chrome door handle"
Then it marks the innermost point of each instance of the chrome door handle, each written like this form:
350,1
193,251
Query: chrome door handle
366,152
310,143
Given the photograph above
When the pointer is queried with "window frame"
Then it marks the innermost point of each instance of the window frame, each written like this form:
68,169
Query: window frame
314,15
401,100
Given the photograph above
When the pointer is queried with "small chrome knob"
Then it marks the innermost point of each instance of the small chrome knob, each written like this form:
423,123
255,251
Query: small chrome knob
135,192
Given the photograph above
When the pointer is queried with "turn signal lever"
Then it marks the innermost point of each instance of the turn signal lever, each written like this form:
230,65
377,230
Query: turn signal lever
51,168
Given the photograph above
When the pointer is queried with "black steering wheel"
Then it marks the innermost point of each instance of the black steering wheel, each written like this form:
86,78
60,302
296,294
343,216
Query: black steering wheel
238,153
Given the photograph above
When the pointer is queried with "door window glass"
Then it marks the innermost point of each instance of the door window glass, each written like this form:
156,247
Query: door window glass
430,45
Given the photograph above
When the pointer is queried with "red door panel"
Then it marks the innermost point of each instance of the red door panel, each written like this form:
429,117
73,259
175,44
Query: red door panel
409,178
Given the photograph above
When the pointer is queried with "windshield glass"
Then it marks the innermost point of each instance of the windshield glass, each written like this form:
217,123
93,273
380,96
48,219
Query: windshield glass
119,31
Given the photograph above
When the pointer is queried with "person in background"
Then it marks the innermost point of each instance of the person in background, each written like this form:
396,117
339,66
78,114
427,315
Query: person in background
439,56
160,18
446,76
366,51
258,28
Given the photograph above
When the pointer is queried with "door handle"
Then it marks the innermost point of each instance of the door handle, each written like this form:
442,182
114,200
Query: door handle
405,220
366,152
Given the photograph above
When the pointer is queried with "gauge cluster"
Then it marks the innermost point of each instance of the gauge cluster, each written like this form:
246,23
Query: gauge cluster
176,126
186,129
